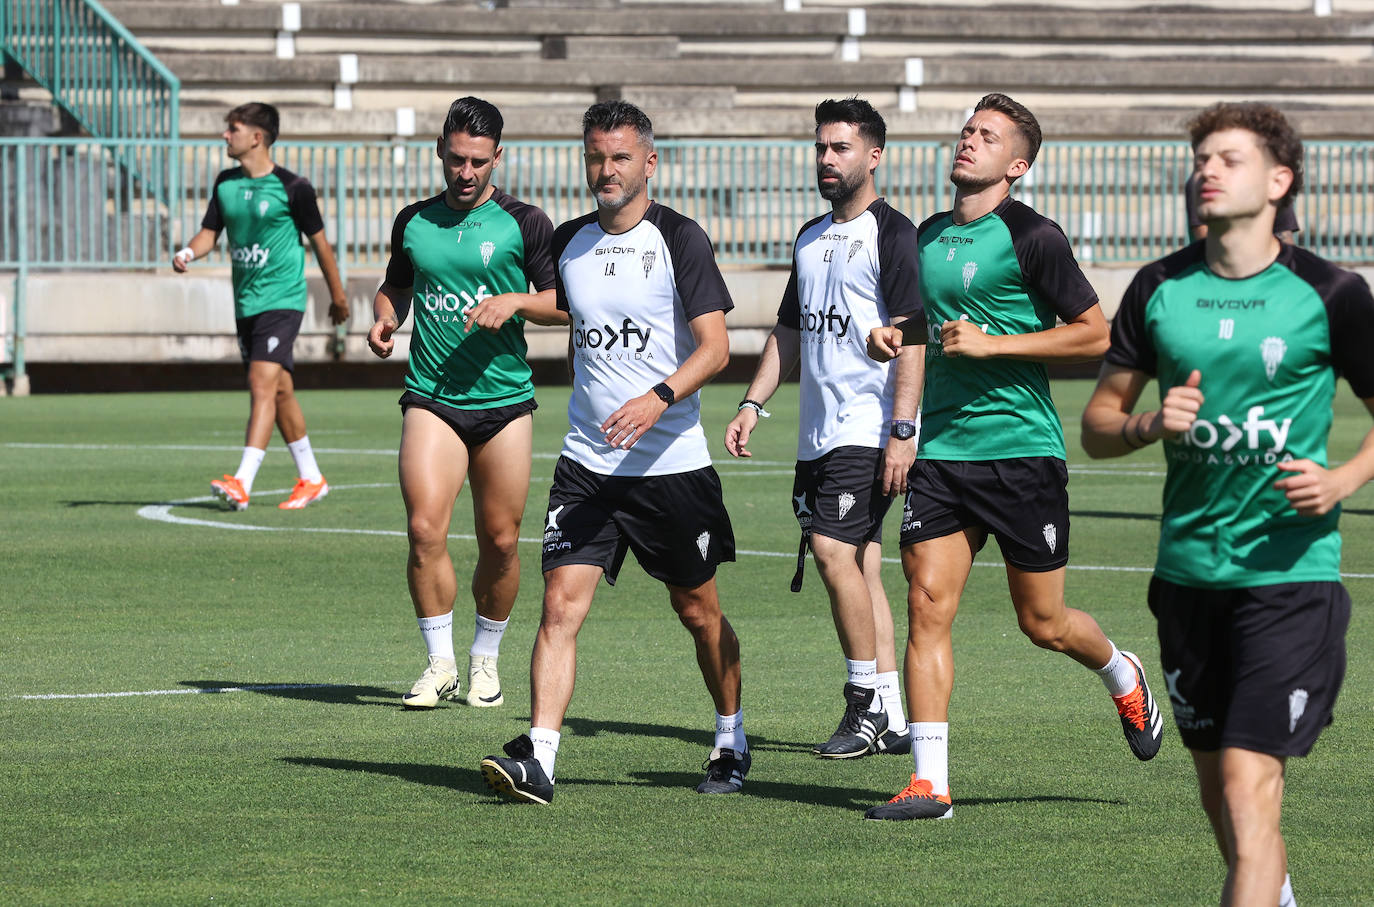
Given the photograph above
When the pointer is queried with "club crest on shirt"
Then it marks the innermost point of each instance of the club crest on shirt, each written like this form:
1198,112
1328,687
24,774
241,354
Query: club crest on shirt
487,248
970,268
854,248
648,259
1051,536
704,544
1271,351
846,502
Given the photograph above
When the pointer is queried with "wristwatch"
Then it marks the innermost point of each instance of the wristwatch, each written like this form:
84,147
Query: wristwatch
665,393
903,429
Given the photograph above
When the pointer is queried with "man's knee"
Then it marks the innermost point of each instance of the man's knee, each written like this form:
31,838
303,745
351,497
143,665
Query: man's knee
428,536
697,609
500,546
1045,632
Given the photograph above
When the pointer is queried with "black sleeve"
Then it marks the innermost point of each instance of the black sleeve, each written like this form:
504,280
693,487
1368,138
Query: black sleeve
1190,202
300,198
1286,220
536,231
1047,262
561,237
213,220
1132,346
400,270
897,276
1349,314
789,311
695,272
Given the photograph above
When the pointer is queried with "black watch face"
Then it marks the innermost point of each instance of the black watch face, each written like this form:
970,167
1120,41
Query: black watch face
903,432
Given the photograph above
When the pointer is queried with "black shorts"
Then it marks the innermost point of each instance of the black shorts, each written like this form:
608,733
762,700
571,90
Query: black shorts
675,524
472,426
269,337
1023,501
1257,668
840,495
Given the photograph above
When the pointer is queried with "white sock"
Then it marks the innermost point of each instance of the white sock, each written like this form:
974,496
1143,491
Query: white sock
892,701
930,750
1118,673
730,732
486,639
248,467
1286,898
545,748
863,673
306,467
438,634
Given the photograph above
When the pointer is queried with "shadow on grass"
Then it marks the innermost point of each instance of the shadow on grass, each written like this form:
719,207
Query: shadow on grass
183,505
449,776
590,727
839,797
1114,515
331,693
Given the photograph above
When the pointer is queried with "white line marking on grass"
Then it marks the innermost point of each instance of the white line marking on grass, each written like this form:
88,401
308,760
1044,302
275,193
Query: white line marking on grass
162,513
247,688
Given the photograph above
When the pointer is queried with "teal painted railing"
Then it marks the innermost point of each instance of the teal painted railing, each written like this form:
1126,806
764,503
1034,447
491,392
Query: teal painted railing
76,207
93,67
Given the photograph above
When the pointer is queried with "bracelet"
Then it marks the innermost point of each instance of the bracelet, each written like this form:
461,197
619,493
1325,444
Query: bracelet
756,406
1125,440
1140,432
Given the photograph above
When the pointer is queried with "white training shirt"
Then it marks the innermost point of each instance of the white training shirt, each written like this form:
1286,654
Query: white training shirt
631,296
846,280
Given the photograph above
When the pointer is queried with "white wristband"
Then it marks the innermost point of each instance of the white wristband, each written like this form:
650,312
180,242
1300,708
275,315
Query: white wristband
188,252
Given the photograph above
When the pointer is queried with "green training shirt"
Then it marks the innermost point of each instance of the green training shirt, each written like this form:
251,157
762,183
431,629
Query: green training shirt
265,217
1010,272
1269,348
452,260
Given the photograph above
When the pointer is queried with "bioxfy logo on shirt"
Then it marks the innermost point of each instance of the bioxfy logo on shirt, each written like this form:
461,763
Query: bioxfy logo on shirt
826,325
444,306
1223,441
254,256
608,342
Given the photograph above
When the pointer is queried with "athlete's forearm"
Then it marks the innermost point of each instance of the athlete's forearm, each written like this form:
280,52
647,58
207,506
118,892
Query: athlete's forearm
707,360
391,304
201,244
329,266
1110,428
780,353
1359,469
541,308
909,383
1075,342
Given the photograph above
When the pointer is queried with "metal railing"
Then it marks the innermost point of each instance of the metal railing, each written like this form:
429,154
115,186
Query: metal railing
88,204
93,67
73,204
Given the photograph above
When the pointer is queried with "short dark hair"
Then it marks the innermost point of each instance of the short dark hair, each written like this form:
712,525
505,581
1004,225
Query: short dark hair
1020,115
1276,135
259,116
476,117
606,116
860,113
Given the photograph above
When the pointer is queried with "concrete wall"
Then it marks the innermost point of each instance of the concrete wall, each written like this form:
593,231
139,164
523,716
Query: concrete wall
168,318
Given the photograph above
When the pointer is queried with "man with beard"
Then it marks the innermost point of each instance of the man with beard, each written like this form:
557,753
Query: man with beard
647,303
994,277
853,269
467,258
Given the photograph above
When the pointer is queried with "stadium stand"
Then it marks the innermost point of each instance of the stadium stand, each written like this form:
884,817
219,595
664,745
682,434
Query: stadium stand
754,69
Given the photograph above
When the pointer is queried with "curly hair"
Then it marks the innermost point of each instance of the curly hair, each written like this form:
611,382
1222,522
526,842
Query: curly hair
1276,135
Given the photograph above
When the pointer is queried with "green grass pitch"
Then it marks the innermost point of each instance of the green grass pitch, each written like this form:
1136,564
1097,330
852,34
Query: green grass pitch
120,576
